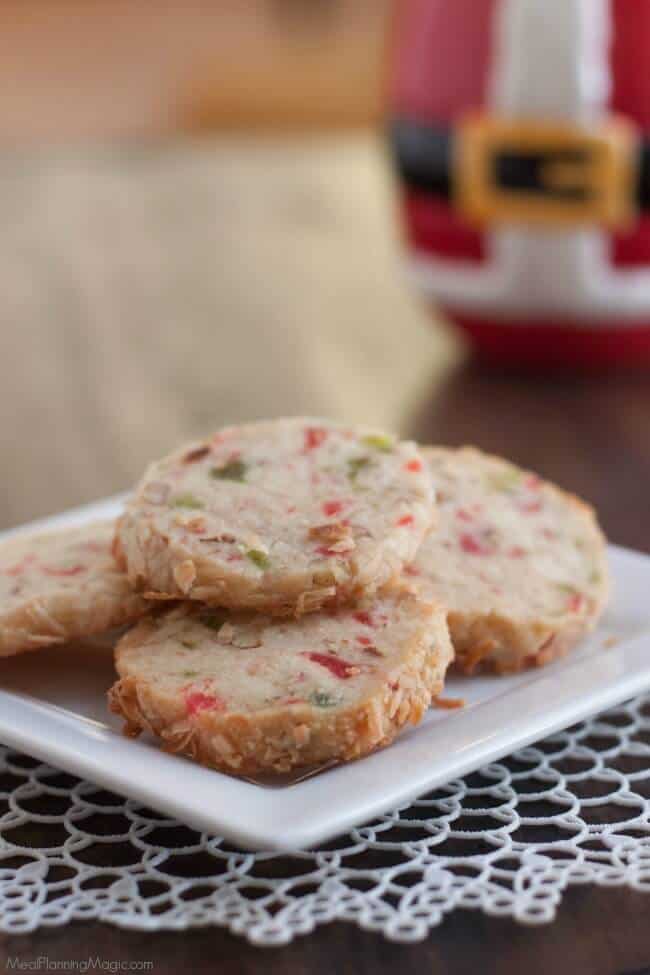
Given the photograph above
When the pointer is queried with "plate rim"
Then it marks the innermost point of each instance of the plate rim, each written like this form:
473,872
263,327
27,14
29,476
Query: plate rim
302,815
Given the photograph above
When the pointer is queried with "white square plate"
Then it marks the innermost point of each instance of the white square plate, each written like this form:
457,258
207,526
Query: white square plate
53,706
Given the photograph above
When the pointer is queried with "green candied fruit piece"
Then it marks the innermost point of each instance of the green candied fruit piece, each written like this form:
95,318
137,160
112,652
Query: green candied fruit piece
380,442
258,558
190,673
321,699
213,619
595,576
567,588
190,644
356,465
186,500
234,470
504,480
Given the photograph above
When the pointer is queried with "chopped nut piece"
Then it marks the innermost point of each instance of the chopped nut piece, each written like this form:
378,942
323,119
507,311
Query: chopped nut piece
246,638
185,574
301,734
226,634
309,602
345,545
191,523
336,535
156,492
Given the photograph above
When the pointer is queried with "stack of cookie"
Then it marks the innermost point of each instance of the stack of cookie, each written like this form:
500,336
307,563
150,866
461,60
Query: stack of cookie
297,582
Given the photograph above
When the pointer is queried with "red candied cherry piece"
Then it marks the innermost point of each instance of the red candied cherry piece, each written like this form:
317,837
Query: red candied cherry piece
336,666
576,602
198,701
363,617
20,567
463,515
314,437
475,545
332,508
516,552
327,553
411,570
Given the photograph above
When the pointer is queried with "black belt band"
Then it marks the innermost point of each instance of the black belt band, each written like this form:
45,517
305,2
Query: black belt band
425,156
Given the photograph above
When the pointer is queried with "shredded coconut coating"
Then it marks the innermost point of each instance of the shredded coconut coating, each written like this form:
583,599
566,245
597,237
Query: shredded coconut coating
283,517
252,694
520,564
61,586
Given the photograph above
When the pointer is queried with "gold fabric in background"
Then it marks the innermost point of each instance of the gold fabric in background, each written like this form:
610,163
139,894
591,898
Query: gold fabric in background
150,295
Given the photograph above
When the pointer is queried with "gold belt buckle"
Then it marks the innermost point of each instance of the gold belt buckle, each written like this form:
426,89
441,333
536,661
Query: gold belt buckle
546,173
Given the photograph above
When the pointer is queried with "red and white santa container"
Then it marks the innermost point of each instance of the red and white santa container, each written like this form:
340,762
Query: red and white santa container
521,131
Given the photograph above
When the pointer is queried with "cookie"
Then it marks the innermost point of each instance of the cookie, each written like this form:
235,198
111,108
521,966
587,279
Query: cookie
62,585
280,517
520,564
251,694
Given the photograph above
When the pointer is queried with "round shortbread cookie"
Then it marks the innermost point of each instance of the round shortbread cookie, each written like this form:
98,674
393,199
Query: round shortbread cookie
60,586
250,694
520,564
282,517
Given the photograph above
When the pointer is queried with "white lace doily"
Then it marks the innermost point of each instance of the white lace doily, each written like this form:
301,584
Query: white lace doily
507,840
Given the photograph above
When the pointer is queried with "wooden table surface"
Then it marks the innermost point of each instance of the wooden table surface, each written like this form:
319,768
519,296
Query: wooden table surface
150,297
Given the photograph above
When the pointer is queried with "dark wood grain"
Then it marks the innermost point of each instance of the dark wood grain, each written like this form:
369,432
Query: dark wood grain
590,434
597,932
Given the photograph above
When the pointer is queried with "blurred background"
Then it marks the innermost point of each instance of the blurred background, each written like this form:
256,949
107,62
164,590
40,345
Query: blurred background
199,225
